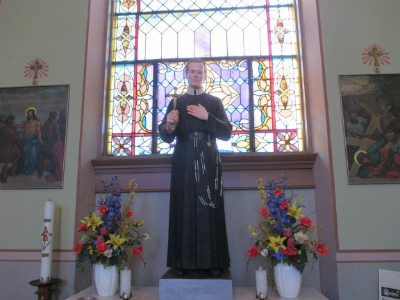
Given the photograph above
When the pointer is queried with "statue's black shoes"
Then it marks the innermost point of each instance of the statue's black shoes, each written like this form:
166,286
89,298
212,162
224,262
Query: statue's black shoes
178,272
214,273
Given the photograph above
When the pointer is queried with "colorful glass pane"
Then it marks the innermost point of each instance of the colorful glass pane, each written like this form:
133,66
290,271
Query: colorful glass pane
283,31
250,47
164,148
125,38
162,5
131,105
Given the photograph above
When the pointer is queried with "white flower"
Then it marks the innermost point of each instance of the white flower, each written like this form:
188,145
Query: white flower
108,253
146,236
264,252
254,235
301,237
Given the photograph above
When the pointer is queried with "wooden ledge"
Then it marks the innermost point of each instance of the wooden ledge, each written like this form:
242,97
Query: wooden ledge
152,172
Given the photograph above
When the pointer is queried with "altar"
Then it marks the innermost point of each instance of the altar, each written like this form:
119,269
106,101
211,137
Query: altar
239,293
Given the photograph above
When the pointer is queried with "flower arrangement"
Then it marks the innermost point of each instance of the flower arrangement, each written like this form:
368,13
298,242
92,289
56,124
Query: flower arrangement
108,236
284,234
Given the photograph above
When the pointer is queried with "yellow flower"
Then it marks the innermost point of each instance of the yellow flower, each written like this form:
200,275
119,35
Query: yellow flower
116,240
90,250
294,211
277,242
93,221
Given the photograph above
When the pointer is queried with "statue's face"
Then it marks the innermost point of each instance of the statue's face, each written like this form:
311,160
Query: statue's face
196,75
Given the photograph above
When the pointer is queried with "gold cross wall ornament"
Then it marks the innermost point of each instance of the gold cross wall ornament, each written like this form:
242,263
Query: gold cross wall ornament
376,55
36,68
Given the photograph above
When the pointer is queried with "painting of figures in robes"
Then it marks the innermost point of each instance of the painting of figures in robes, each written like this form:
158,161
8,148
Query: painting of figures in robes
371,122
33,133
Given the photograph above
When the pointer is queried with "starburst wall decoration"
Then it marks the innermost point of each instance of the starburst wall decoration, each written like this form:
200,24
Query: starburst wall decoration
37,67
376,55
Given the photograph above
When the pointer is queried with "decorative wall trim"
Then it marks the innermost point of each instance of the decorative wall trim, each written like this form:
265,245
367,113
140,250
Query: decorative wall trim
32,255
368,257
152,173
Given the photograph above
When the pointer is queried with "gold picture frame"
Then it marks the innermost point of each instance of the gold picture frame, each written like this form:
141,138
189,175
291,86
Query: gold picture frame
371,124
33,136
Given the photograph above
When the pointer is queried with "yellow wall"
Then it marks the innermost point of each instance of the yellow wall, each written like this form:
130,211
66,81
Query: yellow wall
367,215
54,31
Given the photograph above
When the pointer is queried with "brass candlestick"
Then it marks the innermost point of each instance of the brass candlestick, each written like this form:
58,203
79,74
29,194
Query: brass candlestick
44,289
260,296
124,296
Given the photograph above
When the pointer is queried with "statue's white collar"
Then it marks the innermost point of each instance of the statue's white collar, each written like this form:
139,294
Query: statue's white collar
194,92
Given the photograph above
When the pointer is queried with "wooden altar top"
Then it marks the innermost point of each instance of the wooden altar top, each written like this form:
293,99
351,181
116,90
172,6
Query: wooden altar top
239,293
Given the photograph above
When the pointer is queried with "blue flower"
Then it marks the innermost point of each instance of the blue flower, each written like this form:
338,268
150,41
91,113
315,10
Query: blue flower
278,255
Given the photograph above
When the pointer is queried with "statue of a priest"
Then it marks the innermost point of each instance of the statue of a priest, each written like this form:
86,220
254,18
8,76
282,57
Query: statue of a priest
197,232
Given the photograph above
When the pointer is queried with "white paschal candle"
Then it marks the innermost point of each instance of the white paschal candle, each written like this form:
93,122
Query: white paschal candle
261,282
125,284
47,245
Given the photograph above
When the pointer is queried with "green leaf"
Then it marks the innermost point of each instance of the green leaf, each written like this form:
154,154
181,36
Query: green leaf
93,258
114,260
106,263
124,256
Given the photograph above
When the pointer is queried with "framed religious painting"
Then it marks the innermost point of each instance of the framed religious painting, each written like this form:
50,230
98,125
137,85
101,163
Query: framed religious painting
33,135
371,122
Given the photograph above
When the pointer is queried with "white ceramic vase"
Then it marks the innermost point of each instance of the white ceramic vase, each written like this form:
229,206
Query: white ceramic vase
106,280
287,280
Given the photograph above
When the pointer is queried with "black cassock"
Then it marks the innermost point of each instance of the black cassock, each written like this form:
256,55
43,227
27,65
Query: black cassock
197,232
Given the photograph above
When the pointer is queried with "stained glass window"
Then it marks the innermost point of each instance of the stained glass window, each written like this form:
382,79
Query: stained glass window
251,51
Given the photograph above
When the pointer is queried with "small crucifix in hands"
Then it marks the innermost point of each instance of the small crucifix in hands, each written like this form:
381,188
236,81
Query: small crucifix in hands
173,116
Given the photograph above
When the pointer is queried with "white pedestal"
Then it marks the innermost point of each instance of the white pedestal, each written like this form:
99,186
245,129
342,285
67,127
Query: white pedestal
195,285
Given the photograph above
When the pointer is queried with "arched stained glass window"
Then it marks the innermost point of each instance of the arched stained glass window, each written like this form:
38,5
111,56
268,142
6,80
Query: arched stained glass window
251,51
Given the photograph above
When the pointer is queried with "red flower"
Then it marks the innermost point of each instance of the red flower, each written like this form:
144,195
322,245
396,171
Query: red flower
291,243
288,251
321,249
285,205
114,192
102,247
129,213
78,248
137,251
102,209
264,212
278,192
305,222
253,251
83,227
260,225
287,232
104,231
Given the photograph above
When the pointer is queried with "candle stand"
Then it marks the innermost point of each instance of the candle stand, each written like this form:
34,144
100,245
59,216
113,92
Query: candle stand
44,289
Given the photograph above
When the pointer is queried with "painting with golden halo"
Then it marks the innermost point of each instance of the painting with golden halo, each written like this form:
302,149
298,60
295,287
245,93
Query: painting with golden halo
371,123
33,135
